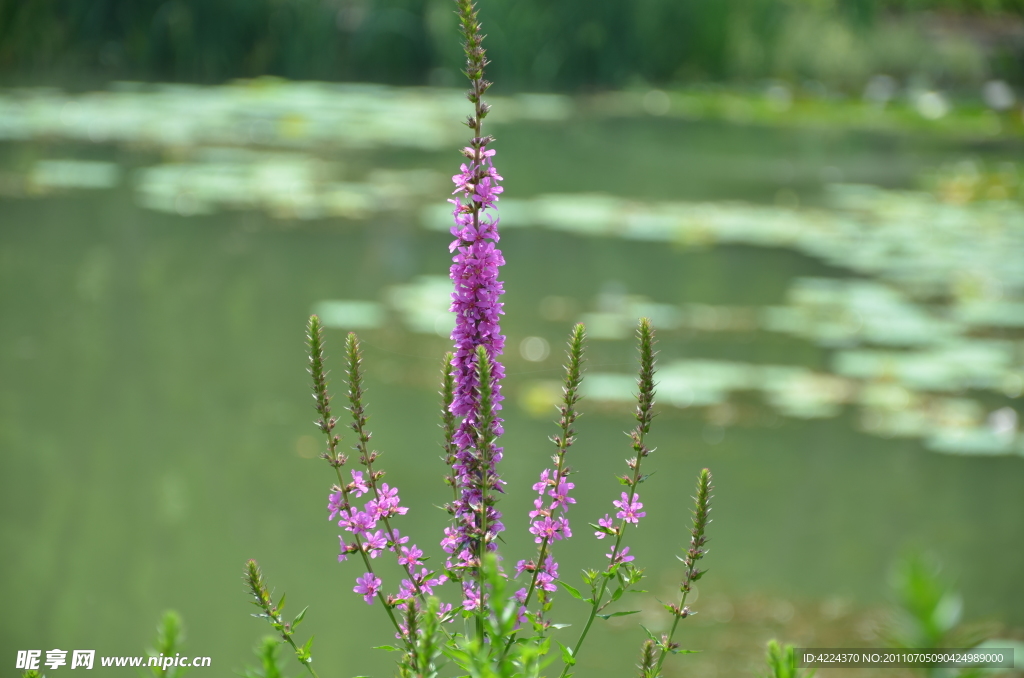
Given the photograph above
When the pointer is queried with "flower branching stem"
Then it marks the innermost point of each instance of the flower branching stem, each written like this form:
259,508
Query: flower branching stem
644,415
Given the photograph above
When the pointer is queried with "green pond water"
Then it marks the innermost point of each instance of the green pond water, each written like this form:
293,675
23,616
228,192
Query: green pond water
843,350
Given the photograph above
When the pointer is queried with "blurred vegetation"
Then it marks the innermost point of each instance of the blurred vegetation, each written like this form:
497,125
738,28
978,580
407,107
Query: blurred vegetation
170,634
930,610
781,660
534,44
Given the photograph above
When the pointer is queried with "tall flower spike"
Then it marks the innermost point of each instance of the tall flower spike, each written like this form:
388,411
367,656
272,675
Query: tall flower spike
549,522
384,505
475,302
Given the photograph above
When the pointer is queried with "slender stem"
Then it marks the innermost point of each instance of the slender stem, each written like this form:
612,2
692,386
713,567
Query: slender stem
671,634
308,665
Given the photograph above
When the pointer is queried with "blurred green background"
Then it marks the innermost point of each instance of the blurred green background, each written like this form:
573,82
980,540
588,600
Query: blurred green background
818,203
534,45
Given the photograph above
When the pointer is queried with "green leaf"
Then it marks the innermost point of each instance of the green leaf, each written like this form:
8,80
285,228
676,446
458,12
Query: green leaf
681,651
299,617
280,603
302,653
389,648
617,614
649,634
560,626
567,655
572,591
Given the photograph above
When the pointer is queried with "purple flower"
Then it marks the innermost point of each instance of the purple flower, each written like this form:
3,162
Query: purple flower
451,539
359,485
359,522
620,557
346,549
406,591
367,585
607,523
630,512
375,543
395,540
334,503
426,584
386,505
560,494
470,595
547,575
410,556
550,529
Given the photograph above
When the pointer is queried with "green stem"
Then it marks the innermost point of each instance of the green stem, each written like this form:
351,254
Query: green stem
596,605
671,634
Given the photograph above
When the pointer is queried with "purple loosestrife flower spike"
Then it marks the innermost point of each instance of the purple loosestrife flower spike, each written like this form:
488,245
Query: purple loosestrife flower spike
385,503
629,504
475,302
549,520
367,541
